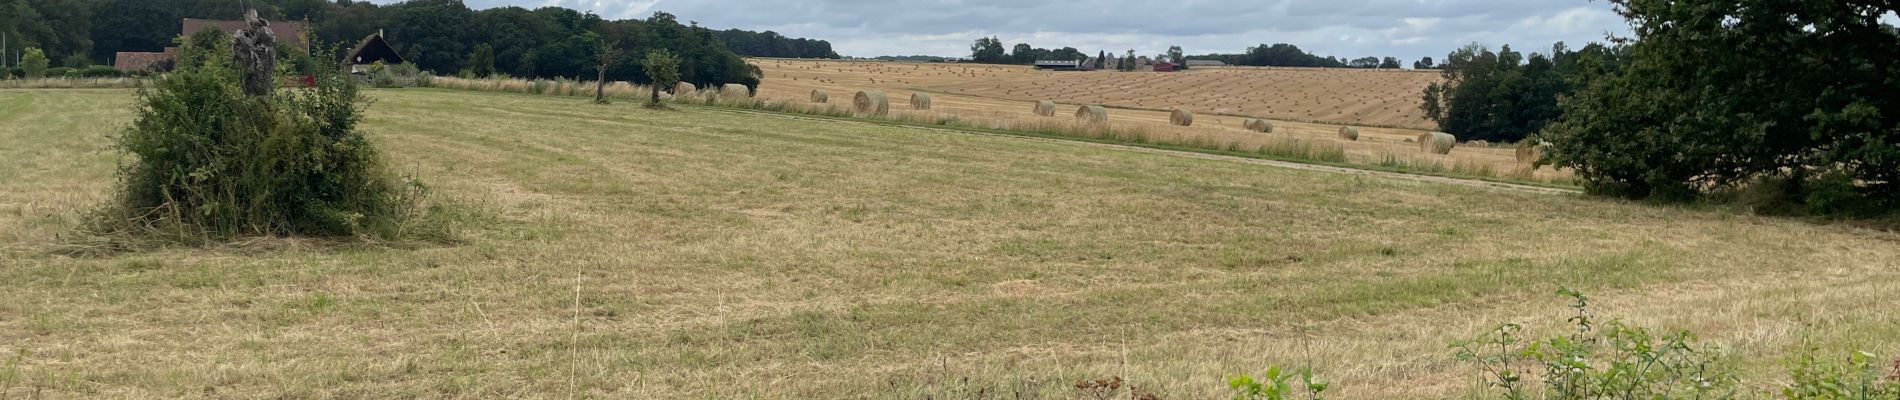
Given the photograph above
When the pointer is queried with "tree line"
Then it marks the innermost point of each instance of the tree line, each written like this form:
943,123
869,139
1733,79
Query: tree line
444,36
1287,55
990,50
1785,106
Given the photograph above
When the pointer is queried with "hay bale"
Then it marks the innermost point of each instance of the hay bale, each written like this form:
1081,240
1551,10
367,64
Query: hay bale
1181,117
1349,133
919,101
1091,115
1437,142
820,96
1046,108
1257,125
871,102
734,91
1480,143
684,88
1529,151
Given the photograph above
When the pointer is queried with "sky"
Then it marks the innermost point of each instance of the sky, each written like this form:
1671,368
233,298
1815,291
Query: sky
1408,29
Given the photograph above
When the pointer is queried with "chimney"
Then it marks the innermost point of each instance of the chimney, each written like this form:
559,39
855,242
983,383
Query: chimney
379,32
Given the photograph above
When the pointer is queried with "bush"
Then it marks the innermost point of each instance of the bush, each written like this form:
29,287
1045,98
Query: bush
206,163
58,72
33,63
100,71
76,61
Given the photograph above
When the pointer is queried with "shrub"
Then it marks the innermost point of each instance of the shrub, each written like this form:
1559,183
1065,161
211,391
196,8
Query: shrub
33,63
204,162
1273,385
100,71
58,72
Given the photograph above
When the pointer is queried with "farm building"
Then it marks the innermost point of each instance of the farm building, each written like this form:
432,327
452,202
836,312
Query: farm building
1164,66
294,34
373,50
1205,63
1086,64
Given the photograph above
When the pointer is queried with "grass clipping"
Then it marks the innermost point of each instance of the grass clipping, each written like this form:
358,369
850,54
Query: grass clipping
203,162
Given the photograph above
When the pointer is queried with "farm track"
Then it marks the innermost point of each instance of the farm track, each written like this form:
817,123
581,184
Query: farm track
1475,183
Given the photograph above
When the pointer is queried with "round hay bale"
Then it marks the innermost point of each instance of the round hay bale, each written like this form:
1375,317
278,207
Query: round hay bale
1264,125
1480,143
871,102
919,101
734,91
1046,108
684,88
1181,117
1437,142
1091,115
1529,151
1349,133
820,96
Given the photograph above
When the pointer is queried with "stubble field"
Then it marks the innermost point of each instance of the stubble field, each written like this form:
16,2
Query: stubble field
619,252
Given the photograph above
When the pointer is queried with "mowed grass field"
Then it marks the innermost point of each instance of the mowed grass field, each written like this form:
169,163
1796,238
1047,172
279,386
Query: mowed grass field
618,252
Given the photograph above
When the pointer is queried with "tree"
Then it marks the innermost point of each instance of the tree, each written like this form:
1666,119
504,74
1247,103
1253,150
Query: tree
1023,54
605,57
1390,63
987,50
1424,63
1365,62
481,63
34,62
1176,56
662,67
1696,110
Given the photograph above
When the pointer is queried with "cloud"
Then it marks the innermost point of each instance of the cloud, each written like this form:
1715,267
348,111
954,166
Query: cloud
1346,28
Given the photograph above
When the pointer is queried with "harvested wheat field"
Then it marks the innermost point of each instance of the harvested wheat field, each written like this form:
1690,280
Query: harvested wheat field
616,252
1301,103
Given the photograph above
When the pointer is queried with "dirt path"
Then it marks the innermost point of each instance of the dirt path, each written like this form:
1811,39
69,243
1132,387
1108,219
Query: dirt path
1274,163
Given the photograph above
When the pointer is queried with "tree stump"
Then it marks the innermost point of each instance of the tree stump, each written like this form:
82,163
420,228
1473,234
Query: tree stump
255,50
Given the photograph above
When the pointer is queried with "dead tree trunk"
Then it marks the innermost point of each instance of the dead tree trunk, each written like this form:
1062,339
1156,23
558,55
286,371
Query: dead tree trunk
255,50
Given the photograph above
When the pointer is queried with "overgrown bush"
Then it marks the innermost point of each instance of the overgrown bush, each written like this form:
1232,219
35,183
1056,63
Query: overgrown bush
204,162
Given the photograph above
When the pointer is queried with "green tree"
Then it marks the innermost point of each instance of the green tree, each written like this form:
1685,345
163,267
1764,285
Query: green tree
1389,63
662,67
481,63
34,62
987,50
1697,110
1023,54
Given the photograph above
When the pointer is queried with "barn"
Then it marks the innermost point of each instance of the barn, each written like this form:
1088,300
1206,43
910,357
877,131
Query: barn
371,51
1164,66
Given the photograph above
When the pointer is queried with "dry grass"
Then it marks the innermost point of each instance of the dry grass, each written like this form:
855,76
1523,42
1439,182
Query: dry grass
701,254
1303,102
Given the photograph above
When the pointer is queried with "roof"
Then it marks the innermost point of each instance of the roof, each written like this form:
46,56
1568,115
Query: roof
290,33
372,49
129,61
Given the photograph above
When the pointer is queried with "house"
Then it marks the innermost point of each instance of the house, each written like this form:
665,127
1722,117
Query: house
1205,63
373,50
292,34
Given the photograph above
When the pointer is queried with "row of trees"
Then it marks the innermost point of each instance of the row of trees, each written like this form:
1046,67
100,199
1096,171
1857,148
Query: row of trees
1504,96
771,44
1789,101
1287,55
444,36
